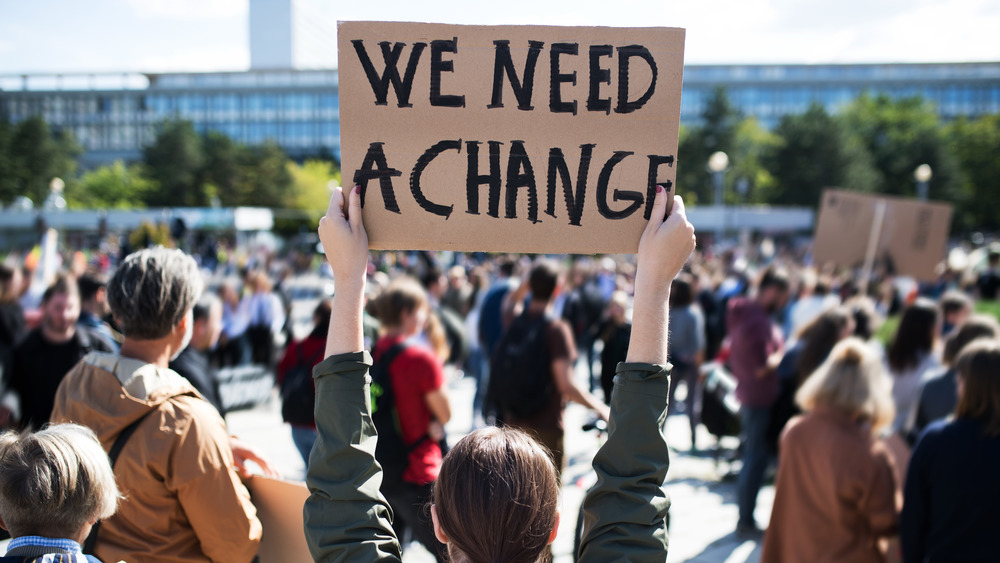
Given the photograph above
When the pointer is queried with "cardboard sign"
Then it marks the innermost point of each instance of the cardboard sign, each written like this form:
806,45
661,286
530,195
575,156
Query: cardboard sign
279,509
910,240
508,138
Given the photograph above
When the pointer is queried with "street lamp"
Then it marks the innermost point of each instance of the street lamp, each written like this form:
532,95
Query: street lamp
717,165
922,175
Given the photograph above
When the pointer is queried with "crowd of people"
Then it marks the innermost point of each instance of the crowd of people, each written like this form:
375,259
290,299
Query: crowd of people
883,447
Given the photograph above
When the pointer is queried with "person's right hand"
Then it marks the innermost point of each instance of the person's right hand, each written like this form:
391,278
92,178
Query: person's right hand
343,235
665,244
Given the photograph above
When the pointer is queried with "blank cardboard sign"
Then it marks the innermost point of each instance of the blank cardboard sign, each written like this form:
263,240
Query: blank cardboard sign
911,241
279,507
508,138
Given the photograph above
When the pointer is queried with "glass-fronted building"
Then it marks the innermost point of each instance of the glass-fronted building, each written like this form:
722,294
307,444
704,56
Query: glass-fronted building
767,92
114,115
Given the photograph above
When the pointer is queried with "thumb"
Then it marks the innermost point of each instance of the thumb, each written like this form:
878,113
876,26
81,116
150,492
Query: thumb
354,211
659,209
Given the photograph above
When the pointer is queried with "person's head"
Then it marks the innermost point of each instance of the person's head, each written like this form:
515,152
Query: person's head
260,281
853,382
866,318
321,317
457,277
496,498
618,306
915,335
55,483
152,294
544,279
93,294
979,385
434,282
955,308
207,317
773,290
975,327
819,337
681,291
10,283
60,308
403,306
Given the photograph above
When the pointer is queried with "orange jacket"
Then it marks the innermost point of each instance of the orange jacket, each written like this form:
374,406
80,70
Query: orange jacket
183,500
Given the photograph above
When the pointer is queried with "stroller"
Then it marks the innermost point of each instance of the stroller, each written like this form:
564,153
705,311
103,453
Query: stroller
720,410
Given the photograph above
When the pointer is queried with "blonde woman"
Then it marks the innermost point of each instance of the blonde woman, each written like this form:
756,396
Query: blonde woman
835,495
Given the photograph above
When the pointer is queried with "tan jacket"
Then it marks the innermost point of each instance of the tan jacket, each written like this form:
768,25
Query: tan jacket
835,496
183,501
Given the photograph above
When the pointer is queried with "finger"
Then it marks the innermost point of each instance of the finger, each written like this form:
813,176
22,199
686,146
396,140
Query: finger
659,209
336,207
354,214
679,209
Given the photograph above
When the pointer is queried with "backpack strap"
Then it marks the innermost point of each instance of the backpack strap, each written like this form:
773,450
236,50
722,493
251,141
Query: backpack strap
384,362
116,449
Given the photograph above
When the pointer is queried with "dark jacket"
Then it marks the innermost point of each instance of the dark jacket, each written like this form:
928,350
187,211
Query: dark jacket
347,518
952,496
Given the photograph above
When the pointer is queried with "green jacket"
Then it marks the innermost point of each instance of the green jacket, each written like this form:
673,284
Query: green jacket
347,519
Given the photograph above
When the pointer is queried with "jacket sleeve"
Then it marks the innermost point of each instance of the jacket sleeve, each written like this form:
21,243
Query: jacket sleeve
625,513
215,501
913,522
879,501
346,517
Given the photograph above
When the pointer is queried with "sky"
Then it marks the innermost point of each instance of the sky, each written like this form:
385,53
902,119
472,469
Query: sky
67,36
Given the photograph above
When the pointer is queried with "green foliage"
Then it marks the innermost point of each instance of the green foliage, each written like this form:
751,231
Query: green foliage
716,133
751,145
111,186
309,195
31,156
976,145
900,135
174,161
148,234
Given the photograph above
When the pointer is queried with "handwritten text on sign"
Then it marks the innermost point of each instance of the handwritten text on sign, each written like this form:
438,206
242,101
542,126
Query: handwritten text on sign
533,139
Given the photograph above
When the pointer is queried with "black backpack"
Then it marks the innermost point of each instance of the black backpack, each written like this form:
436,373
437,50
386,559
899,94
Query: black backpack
520,368
391,451
298,396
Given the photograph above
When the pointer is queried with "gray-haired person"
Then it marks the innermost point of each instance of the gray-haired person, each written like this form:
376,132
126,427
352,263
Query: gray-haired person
186,500
54,486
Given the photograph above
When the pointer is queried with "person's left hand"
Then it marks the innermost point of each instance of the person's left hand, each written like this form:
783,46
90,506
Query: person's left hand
343,235
243,452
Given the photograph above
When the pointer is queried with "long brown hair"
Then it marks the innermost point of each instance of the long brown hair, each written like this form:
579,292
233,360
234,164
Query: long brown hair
818,338
914,336
496,497
979,369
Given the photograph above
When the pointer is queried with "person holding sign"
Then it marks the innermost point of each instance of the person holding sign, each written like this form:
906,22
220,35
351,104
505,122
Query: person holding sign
496,495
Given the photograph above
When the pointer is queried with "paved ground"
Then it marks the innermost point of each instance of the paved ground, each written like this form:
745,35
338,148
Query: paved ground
703,511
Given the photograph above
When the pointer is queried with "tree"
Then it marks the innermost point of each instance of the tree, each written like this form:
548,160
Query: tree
113,186
976,144
814,152
174,161
8,185
900,135
748,175
220,172
716,133
32,156
264,179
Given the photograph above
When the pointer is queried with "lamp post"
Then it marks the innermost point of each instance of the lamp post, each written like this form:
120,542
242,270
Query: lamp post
922,175
718,163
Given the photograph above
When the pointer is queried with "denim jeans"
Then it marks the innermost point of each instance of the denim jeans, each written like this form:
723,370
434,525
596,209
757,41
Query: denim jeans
755,457
304,438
